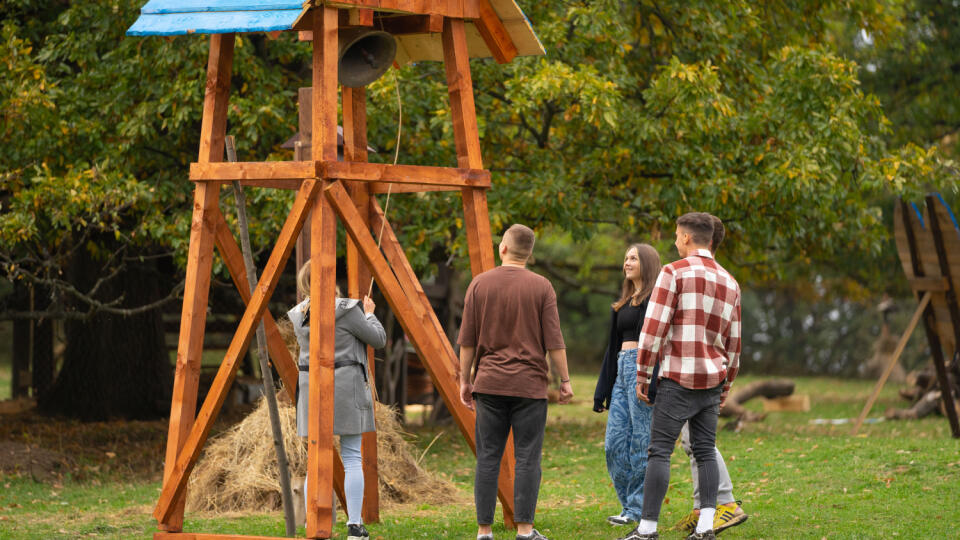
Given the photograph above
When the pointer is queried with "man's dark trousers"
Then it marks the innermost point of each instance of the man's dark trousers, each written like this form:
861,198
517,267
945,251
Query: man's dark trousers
674,406
495,416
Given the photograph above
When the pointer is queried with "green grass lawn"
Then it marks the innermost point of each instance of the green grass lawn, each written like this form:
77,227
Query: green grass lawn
796,479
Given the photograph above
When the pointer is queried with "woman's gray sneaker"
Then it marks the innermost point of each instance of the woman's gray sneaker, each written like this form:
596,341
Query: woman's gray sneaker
534,535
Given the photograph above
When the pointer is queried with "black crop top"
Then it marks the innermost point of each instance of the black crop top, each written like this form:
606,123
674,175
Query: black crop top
629,320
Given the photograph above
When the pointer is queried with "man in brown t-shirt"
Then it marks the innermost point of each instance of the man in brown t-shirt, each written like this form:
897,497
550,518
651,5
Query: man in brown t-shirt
510,325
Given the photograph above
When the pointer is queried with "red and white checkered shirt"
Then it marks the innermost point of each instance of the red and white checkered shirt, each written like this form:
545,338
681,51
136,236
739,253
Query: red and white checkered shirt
693,325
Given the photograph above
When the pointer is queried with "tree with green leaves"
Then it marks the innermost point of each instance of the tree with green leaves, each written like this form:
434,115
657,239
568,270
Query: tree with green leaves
639,112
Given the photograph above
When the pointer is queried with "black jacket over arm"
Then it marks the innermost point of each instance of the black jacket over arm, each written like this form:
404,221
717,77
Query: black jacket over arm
608,370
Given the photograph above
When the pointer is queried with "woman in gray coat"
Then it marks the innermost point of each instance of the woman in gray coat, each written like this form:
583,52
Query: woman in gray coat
356,327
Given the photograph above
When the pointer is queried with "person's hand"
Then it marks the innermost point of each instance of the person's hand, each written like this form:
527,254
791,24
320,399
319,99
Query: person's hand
466,394
642,389
598,407
566,393
368,305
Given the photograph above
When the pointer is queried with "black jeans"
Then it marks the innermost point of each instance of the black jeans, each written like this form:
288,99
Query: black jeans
495,416
676,405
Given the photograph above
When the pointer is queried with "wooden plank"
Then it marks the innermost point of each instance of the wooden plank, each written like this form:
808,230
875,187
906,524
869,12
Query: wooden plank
494,34
199,264
320,454
413,315
924,284
943,231
255,170
904,338
354,105
460,87
301,152
379,189
404,174
794,403
411,24
323,112
233,259
359,17
204,536
323,268
174,487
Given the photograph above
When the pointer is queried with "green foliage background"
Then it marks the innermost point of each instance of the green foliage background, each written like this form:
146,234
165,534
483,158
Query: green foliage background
640,111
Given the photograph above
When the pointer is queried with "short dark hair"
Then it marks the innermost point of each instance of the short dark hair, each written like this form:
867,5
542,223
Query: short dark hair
520,240
700,226
719,231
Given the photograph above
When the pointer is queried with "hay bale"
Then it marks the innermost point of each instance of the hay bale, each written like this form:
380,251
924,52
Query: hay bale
238,470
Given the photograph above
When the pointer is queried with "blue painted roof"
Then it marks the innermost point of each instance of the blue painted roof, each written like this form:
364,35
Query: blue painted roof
174,17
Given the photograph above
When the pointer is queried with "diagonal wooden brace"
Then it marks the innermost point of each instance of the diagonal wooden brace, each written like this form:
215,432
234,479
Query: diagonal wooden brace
176,483
414,313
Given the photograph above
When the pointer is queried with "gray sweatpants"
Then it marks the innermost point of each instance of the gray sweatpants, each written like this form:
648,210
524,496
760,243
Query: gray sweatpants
725,485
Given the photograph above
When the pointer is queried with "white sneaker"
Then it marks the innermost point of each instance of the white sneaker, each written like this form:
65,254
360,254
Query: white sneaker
621,519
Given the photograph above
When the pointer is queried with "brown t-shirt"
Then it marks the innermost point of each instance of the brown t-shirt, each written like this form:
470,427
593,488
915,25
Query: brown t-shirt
510,317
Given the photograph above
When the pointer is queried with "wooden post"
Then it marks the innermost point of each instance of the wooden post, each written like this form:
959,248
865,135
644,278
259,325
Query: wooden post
354,104
323,268
301,152
893,362
467,138
199,264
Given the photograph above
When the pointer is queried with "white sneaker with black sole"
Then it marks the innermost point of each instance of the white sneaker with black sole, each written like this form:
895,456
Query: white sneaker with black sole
621,519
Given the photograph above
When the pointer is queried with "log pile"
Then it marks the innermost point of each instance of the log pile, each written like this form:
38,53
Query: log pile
733,408
924,393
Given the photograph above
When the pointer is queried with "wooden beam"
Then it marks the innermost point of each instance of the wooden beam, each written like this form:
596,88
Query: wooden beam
203,536
411,24
175,486
254,170
404,174
413,315
233,259
456,61
494,34
934,284
467,138
354,105
892,362
289,174
320,454
447,8
199,264
379,189
323,268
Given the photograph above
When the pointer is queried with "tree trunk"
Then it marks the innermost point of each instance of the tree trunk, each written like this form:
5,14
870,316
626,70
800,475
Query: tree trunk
114,366
32,345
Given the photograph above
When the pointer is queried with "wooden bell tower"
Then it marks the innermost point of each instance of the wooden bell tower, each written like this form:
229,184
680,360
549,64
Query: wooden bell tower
330,192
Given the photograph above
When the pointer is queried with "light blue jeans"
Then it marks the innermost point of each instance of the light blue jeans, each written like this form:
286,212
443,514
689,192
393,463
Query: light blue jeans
353,477
628,435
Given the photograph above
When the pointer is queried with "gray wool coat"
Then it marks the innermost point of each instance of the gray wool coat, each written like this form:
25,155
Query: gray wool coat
353,405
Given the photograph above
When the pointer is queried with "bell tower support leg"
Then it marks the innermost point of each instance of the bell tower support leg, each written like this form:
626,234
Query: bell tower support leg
323,270
199,264
476,218
354,103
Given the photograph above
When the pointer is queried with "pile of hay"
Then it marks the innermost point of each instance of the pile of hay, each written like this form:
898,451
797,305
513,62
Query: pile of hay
238,469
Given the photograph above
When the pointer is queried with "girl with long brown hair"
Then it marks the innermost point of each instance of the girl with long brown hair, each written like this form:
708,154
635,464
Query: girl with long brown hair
628,422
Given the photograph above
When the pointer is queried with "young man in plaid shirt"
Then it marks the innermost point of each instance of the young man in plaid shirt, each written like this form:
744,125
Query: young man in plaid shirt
693,326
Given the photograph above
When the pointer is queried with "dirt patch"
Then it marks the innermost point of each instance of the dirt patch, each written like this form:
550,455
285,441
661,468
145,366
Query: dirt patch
41,464
128,449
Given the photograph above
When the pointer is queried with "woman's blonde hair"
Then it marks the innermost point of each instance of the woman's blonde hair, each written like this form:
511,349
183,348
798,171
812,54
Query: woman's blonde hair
303,281
649,269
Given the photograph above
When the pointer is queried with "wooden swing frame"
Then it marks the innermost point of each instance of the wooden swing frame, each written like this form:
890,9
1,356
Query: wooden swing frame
327,191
